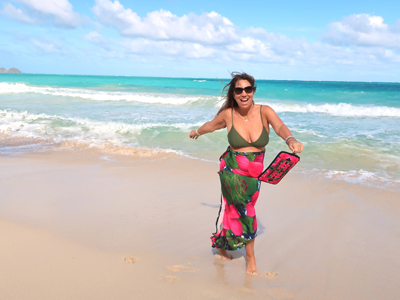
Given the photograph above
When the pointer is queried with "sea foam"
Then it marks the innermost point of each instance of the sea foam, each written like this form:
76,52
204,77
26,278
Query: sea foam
39,125
341,109
90,94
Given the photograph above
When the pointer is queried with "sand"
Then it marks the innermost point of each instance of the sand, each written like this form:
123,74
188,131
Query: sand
83,225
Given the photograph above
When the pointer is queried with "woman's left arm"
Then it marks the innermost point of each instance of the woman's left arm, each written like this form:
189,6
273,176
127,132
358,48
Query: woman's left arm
281,129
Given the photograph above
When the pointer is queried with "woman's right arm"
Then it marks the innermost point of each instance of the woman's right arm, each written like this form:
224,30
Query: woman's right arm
217,123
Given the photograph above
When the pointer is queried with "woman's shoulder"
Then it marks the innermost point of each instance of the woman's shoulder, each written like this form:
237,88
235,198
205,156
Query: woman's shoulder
226,112
265,109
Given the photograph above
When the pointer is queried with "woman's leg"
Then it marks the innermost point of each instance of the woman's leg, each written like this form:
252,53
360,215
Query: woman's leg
224,254
251,259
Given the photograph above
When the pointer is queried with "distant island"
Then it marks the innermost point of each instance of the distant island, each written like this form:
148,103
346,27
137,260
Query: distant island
10,70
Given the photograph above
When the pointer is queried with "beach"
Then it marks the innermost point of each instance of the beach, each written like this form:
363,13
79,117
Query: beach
77,224
104,196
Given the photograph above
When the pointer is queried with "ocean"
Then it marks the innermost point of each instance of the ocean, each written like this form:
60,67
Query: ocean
350,130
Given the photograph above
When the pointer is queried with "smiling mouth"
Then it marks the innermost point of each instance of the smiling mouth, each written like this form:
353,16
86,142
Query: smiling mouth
244,100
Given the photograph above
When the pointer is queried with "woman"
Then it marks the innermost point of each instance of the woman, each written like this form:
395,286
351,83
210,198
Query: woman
248,134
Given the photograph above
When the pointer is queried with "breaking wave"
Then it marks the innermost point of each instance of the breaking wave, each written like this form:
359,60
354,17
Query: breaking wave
88,94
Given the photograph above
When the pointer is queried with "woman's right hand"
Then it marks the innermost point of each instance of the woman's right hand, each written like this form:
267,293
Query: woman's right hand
193,135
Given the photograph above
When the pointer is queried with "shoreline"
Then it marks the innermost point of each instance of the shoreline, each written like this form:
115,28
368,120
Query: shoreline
28,146
318,239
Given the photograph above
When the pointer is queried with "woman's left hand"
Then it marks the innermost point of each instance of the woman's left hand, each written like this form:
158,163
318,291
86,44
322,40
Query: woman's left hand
193,135
295,146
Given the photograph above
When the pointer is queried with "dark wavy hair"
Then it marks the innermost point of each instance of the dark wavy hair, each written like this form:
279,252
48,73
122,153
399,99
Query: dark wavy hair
230,102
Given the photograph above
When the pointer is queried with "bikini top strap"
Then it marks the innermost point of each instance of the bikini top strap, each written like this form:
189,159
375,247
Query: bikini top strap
261,116
232,115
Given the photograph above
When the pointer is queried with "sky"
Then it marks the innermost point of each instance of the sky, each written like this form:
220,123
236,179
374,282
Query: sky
290,40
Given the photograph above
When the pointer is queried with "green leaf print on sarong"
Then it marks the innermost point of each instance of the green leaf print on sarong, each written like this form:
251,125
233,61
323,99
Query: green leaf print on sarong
237,189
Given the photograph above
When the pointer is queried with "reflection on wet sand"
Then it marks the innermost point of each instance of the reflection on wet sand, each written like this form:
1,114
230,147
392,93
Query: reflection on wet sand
220,268
221,273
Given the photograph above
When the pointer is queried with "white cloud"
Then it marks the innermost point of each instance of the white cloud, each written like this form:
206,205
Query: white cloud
94,37
208,28
97,39
251,49
392,56
212,36
248,45
47,47
253,45
169,48
363,30
61,11
17,14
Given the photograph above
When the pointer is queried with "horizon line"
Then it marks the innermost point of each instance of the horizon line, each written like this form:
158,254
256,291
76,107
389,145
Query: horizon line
187,77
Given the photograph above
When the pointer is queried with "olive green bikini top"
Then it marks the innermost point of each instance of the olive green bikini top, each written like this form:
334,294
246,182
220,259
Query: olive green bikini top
237,141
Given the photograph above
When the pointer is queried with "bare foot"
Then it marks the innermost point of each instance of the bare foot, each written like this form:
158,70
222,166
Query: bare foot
251,268
224,254
251,265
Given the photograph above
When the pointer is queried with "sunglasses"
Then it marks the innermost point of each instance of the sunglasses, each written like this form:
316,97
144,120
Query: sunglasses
248,89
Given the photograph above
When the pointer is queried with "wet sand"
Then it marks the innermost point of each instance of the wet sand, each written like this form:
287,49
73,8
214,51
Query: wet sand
79,225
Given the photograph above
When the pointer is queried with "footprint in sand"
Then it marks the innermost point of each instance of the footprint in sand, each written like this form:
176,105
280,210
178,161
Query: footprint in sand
130,260
176,268
169,278
181,268
271,274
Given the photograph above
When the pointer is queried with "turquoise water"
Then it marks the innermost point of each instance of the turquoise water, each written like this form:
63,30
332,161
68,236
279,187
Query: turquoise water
350,129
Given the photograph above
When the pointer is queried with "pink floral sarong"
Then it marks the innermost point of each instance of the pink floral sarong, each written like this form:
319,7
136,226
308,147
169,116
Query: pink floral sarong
236,223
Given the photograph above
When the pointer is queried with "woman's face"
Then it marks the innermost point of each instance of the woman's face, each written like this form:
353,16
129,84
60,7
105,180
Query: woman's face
244,100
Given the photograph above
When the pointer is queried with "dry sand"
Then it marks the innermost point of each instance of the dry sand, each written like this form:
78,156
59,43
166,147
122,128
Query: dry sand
74,225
